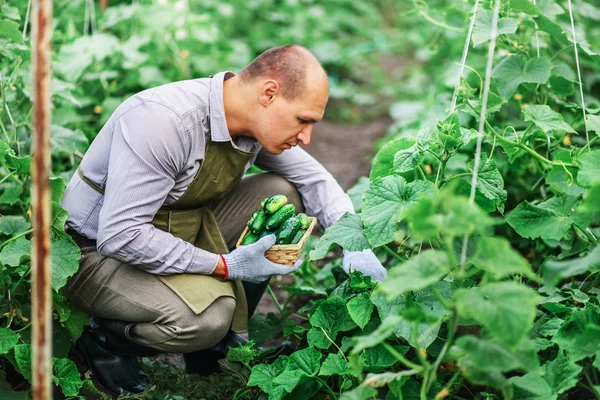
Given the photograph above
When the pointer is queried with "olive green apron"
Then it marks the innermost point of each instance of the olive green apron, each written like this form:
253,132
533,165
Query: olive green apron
190,219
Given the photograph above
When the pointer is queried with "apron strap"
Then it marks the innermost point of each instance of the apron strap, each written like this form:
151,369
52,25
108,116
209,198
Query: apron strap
90,183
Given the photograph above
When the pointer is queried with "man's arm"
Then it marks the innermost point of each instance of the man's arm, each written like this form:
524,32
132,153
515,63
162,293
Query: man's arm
322,196
148,150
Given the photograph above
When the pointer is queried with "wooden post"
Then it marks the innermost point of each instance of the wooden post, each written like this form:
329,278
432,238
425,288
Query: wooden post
40,199
103,4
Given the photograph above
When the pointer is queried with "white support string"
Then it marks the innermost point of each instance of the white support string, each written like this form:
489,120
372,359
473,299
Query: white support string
587,135
86,18
537,36
463,60
482,117
27,14
93,16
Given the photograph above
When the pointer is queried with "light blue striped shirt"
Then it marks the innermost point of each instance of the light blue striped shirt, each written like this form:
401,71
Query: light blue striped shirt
147,155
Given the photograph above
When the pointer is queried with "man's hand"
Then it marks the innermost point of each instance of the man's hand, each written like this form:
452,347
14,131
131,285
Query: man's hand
364,261
249,263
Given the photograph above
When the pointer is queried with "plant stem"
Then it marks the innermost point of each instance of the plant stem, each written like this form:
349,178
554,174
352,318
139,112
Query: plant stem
441,298
331,392
392,253
402,359
334,343
451,332
422,173
277,303
7,176
27,232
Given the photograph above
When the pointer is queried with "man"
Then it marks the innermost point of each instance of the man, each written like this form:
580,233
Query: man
159,200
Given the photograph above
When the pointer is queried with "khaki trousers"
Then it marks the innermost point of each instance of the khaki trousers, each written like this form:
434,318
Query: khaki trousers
106,288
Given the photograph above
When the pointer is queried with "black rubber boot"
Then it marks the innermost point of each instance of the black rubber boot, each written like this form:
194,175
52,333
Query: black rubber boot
206,362
112,356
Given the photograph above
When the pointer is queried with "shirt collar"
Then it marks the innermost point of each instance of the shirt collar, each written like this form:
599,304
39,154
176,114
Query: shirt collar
218,123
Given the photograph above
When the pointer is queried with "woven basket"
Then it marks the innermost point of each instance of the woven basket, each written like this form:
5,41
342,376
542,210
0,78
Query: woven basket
286,254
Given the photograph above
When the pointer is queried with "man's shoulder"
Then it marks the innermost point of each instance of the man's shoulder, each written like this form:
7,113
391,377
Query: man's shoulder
181,97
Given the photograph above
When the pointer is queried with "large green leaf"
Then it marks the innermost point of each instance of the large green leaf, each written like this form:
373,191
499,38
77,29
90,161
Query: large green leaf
23,360
76,56
561,373
496,256
409,159
384,160
417,273
332,315
490,182
66,376
592,123
379,335
579,336
8,340
302,363
482,31
12,225
546,119
547,220
385,202
10,30
334,364
514,70
531,387
360,309
65,261
589,169
505,309
12,253
347,233
67,140
485,355
556,270
263,374
11,195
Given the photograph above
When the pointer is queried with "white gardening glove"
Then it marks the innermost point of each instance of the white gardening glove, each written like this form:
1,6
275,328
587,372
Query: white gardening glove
248,263
364,261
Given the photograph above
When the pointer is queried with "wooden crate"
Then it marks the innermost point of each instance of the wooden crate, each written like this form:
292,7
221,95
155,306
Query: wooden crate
286,254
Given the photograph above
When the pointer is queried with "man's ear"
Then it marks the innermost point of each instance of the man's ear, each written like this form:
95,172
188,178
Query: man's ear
268,92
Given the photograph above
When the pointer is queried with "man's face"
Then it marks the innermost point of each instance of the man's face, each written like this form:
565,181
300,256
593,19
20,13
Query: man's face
286,123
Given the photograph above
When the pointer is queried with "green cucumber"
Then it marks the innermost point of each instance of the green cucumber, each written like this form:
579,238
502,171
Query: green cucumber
299,235
304,221
249,239
280,216
266,233
254,214
263,201
275,203
287,231
259,222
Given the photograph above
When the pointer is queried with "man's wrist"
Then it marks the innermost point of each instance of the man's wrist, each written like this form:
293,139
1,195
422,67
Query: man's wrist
221,270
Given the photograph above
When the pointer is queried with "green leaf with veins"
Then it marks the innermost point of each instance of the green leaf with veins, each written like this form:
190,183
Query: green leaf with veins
485,355
384,160
263,374
360,309
589,169
449,133
12,225
10,30
579,336
490,182
417,273
346,233
546,119
494,105
531,387
65,256
334,364
592,123
12,253
482,31
512,71
556,270
549,220
332,315
66,376
379,335
385,202
505,309
8,340
11,195
409,159
496,256
561,373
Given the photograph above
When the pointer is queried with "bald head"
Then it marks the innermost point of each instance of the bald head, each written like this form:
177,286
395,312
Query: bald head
292,66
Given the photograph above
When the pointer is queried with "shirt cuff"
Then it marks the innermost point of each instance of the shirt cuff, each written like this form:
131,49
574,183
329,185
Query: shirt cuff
203,262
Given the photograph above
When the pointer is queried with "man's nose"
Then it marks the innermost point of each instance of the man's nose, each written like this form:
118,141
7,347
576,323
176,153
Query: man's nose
305,134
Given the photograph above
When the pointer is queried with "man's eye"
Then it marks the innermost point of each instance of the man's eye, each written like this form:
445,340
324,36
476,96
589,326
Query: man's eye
302,121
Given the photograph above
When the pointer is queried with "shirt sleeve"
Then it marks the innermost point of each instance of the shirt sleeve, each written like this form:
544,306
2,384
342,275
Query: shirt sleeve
322,196
148,150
